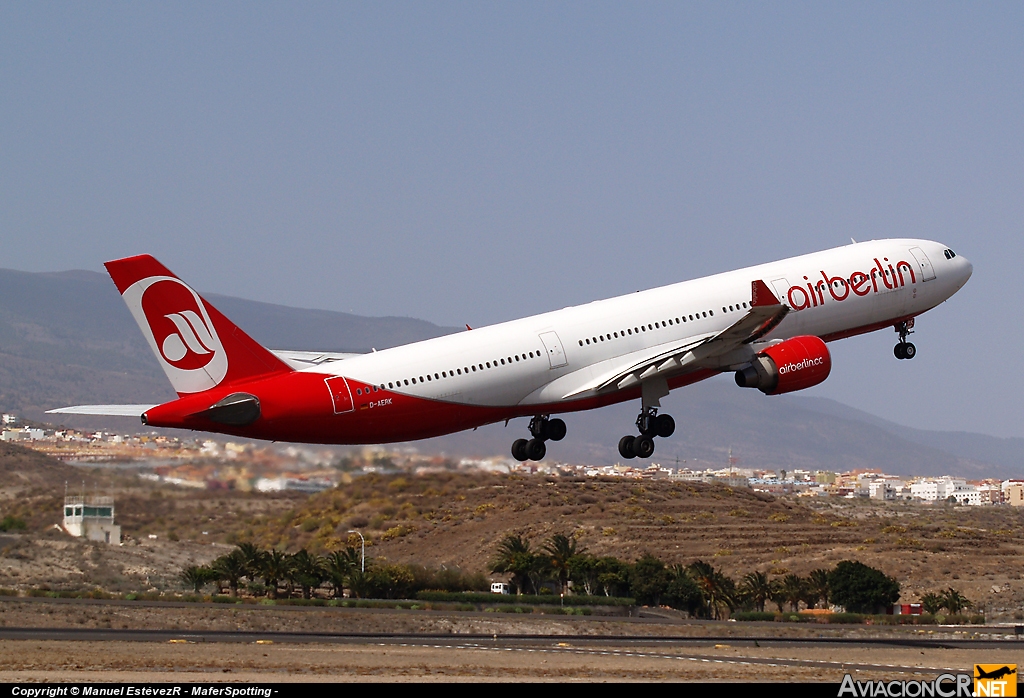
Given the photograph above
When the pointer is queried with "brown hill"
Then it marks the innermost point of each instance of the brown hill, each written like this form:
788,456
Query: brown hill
24,472
457,520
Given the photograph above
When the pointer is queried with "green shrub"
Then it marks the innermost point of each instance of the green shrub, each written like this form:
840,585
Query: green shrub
12,523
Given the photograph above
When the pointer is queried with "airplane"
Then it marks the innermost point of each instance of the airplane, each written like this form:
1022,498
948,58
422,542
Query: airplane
996,673
768,324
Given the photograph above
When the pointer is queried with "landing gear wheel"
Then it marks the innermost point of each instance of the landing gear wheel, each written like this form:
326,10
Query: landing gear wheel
519,450
664,426
626,446
535,449
643,446
555,429
905,350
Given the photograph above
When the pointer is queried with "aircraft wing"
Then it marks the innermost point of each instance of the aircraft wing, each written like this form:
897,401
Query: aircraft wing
764,315
104,410
299,360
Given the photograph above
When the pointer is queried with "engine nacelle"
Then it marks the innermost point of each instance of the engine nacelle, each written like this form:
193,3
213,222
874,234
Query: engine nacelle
797,363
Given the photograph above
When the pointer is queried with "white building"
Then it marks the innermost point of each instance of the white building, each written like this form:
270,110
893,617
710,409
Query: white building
25,434
1013,492
279,484
91,518
886,490
942,488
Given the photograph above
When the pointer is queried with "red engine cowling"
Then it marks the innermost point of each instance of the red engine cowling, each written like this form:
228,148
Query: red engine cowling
797,363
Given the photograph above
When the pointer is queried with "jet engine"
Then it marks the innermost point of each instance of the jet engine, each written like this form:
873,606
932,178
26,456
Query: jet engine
795,364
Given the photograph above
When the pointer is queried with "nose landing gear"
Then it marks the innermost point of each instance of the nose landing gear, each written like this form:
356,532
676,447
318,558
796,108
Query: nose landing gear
905,349
650,424
542,428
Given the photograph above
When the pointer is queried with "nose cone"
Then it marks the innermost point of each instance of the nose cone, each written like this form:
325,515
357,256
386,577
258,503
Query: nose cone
964,270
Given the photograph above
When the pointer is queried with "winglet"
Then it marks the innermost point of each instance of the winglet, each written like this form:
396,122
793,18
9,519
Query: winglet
761,295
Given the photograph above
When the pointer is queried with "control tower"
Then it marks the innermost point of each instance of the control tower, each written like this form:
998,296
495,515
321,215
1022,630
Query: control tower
92,518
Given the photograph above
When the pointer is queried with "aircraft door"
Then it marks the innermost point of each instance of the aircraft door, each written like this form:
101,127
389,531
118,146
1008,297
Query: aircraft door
781,288
556,354
923,264
341,394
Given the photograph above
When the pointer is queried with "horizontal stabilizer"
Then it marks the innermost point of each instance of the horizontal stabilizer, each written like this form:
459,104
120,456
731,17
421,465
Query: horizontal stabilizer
304,359
104,410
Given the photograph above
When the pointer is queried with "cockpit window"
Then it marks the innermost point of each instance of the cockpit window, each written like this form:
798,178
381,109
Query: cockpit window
949,253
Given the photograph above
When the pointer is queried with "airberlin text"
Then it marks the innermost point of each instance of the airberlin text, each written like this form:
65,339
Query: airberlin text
945,686
882,276
806,363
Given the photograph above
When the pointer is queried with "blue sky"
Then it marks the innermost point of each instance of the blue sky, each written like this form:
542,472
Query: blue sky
477,162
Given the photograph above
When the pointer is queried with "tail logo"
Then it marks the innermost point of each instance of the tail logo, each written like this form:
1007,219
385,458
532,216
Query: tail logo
192,335
179,331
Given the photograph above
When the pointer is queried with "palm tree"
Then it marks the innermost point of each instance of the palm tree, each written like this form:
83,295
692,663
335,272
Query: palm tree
793,590
954,601
276,566
515,558
253,559
719,590
932,603
339,567
307,570
197,576
230,568
817,587
561,549
757,588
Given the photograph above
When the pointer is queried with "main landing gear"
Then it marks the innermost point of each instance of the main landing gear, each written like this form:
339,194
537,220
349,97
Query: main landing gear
650,424
542,428
905,350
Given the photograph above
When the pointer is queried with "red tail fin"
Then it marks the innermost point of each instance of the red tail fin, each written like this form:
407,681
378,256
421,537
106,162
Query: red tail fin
197,347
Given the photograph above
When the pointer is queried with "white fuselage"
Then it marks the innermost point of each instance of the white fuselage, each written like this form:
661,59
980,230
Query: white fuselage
573,348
